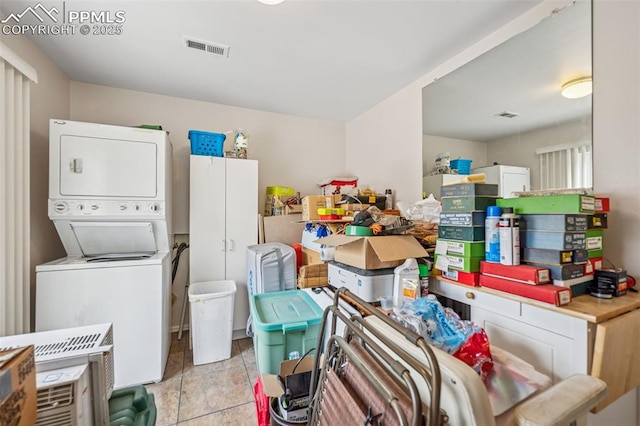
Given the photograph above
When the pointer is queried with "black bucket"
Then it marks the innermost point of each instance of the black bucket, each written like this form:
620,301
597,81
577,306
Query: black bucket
277,419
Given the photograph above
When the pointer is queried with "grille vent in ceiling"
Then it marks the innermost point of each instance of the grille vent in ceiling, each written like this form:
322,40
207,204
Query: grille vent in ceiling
508,114
207,46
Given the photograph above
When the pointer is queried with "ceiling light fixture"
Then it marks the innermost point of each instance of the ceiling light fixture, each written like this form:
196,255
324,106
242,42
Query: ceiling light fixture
271,2
577,88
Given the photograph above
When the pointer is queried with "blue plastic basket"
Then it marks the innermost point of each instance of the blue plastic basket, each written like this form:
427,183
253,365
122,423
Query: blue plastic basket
206,143
462,166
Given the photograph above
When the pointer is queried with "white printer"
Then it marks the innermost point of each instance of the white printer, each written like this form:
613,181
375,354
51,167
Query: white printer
368,284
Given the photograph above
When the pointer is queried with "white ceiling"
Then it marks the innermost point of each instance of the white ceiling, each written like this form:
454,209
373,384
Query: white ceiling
331,59
523,75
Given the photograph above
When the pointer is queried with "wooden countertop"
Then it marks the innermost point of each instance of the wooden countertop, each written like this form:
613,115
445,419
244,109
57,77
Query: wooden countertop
586,307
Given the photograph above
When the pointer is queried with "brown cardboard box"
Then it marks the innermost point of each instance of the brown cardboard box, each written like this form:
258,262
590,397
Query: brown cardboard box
314,271
293,209
374,252
18,399
313,282
354,207
311,204
310,257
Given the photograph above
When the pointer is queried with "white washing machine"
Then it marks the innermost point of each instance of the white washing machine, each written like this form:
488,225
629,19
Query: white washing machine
110,201
133,295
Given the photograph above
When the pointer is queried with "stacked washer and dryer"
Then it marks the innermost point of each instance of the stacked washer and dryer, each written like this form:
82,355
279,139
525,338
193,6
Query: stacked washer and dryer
110,201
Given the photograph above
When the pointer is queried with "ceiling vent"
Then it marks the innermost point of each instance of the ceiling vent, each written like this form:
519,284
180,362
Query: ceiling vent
508,114
207,46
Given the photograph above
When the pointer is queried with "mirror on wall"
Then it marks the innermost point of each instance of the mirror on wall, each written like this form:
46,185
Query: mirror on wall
505,107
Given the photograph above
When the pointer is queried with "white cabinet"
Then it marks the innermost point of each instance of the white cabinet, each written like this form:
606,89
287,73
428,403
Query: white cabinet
555,342
223,221
508,178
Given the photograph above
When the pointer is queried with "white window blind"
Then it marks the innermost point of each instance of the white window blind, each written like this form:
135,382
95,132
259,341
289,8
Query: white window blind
15,78
566,166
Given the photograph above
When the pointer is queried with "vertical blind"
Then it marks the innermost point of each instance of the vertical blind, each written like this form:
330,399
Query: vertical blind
15,78
566,166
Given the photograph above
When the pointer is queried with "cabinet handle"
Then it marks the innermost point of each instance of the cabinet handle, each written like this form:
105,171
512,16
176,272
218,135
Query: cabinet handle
222,245
230,245
470,295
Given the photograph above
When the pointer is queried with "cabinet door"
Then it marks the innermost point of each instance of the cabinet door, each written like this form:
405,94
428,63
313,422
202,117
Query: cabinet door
242,229
513,182
549,353
207,241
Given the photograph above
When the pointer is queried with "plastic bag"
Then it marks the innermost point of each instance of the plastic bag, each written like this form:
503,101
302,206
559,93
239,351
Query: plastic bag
475,352
427,210
444,329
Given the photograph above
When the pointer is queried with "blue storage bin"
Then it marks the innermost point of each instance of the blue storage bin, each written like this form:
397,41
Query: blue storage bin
207,143
462,166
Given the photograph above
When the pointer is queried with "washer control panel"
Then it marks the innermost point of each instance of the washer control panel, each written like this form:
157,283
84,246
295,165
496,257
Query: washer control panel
118,208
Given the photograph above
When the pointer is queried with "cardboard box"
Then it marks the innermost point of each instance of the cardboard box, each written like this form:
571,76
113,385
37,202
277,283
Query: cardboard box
18,399
354,207
272,387
547,293
467,204
476,218
374,252
293,209
311,204
527,274
464,189
313,282
314,271
563,203
554,222
460,248
459,263
468,278
310,257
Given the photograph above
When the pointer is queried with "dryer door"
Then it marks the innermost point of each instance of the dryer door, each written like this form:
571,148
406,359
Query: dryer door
103,167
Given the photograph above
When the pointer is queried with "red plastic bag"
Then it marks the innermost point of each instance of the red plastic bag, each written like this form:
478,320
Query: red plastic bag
476,353
262,404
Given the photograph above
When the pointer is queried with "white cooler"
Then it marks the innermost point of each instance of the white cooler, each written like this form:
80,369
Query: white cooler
368,284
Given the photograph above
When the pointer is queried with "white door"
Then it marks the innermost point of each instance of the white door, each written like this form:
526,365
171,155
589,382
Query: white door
102,167
513,182
242,229
207,211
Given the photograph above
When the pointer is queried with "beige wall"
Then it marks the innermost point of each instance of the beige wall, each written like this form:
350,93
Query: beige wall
292,151
49,99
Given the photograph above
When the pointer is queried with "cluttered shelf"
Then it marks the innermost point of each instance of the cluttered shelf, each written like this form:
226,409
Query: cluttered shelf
586,307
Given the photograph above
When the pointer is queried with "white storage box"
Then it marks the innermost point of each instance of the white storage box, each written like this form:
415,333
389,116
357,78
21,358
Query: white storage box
368,284
211,306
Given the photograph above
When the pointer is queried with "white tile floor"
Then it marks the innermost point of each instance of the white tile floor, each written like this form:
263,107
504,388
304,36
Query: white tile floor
219,393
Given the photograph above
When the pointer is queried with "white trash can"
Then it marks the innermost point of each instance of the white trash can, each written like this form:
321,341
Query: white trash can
211,320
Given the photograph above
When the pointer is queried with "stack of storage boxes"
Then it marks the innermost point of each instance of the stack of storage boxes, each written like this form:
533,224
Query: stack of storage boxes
461,233
553,235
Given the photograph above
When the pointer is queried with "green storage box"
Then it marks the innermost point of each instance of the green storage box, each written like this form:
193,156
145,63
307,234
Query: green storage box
283,322
562,203
460,263
461,248
467,204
